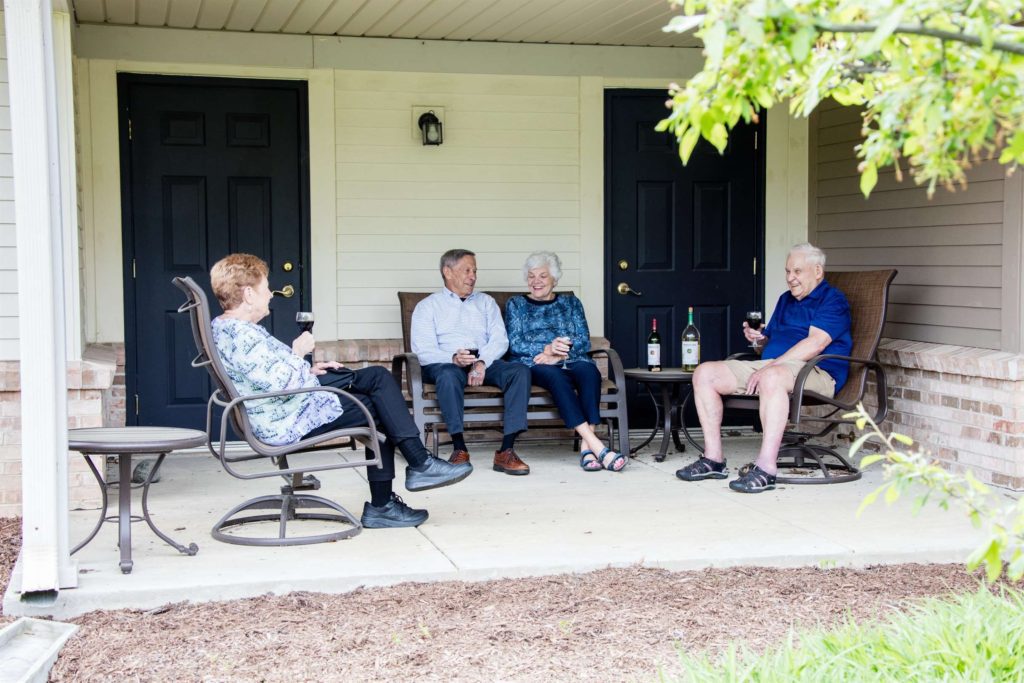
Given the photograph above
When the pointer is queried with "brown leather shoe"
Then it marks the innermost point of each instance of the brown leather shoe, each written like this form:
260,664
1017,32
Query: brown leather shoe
458,457
508,462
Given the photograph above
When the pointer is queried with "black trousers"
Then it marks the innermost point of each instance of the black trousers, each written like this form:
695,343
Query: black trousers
377,390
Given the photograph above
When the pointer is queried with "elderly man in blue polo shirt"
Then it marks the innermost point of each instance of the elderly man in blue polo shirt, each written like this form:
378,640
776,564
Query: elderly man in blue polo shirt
447,328
810,319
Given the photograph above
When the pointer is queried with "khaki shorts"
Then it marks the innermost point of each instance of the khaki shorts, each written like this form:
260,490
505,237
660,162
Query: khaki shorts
819,381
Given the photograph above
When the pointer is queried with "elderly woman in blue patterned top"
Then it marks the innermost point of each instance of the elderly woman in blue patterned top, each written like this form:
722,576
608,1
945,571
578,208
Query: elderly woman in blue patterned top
549,333
256,363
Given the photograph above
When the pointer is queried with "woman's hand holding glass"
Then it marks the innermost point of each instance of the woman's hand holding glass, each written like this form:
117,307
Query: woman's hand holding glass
303,345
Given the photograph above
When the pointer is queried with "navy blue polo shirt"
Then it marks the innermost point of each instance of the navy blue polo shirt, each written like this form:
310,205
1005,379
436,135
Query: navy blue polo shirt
825,308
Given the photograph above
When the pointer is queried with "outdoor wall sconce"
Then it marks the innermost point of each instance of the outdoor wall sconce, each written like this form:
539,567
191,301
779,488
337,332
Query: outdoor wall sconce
431,128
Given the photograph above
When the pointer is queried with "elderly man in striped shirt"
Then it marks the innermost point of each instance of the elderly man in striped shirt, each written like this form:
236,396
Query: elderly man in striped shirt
460,339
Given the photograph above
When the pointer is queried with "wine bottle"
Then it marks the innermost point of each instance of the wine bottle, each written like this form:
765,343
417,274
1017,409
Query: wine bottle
691,345
654,348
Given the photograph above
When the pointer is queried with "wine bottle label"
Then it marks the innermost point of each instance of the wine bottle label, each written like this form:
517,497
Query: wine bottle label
691,352
654,354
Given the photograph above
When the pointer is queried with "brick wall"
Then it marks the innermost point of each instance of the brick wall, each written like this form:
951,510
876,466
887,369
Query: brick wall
87,380
963,405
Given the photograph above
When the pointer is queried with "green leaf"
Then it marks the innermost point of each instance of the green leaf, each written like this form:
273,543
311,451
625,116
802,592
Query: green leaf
687,143
719,137
870,498
903,439
800,45
868,179
891,495
884,30
859,443
714,43
994,561
683,24
869,460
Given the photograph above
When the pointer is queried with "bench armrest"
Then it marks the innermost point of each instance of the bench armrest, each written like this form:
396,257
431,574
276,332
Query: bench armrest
409,364
616,373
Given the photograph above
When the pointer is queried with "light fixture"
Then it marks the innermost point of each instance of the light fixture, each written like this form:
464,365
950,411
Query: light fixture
431,128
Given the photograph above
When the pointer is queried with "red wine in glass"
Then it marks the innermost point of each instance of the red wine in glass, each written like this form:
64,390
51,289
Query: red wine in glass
305,320
568,342
755,319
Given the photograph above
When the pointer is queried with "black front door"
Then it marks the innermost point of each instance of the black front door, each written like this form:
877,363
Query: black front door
678,236
209,167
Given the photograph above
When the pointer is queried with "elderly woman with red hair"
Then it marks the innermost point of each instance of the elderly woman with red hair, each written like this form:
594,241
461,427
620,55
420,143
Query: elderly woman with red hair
256,362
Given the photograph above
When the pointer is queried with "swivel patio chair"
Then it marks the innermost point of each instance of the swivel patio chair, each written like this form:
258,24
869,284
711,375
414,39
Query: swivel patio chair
291,504
868,295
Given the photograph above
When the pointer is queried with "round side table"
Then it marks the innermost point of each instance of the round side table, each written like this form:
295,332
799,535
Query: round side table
124,442
675,385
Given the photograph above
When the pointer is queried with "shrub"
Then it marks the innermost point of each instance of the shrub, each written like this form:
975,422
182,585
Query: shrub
973,637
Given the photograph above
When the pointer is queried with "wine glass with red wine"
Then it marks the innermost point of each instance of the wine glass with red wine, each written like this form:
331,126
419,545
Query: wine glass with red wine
568,342
305,320
755,319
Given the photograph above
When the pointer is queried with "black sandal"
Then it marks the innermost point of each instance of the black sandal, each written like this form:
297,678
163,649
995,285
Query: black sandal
753,479
703,468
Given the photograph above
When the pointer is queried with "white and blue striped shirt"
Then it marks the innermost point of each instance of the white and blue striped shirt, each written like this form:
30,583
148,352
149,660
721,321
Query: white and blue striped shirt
443,323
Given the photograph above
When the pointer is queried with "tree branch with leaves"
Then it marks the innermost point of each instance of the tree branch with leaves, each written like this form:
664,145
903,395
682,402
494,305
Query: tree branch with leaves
941,84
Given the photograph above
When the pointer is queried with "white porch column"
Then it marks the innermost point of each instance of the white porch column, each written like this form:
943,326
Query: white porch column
45,563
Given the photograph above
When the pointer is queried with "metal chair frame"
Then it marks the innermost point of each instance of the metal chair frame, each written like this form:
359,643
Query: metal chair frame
868,320
289,505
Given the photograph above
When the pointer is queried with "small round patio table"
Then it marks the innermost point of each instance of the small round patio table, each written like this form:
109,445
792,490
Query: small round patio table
675,385
124,442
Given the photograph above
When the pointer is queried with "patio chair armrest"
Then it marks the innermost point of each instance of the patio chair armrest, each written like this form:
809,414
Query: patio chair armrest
413,373
616,372
808,368
374,437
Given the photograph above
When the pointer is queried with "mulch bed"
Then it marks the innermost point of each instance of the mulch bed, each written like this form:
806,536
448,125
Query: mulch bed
608,625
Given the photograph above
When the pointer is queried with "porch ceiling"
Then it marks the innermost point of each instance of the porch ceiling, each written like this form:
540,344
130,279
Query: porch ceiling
574,22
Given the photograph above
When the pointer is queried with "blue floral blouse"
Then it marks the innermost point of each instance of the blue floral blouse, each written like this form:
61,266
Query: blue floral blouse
257,362
533,324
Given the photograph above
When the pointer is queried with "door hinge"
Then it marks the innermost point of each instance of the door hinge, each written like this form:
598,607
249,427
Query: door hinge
130,134
136,404
755,265
130,130
133,269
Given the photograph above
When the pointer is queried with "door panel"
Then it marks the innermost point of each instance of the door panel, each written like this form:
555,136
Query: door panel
209,167
689,235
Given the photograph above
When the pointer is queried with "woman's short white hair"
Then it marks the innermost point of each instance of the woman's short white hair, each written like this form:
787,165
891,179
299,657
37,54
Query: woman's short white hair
812,255
544,258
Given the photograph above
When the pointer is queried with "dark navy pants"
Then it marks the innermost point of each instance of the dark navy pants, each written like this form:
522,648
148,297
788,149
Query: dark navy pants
376,389
576,391
512,378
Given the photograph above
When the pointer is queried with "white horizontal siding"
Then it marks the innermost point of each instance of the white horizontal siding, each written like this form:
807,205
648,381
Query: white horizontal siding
8,253
948,248
504,183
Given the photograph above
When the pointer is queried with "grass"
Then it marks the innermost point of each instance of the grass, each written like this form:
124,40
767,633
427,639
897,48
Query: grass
969,637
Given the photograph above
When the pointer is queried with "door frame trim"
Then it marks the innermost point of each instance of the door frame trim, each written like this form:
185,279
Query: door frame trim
611,94
125,81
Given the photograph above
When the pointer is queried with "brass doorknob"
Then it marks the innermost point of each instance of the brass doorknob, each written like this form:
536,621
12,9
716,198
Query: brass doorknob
287,292
624,288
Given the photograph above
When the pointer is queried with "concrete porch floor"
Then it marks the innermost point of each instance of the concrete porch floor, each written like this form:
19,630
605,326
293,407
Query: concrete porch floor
557,519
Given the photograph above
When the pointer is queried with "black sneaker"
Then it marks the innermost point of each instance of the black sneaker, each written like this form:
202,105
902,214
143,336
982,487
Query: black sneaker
435,473
703,468
753,479
394,515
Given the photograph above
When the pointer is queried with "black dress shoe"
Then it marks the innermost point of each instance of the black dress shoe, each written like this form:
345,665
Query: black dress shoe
394,515
435,473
